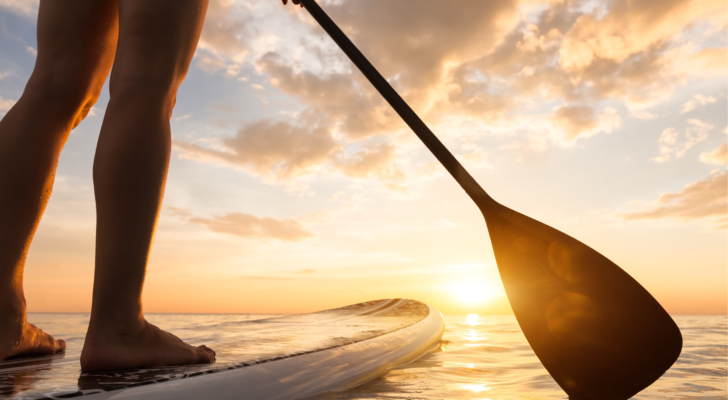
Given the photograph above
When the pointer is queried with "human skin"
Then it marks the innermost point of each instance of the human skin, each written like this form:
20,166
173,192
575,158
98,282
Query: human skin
150,44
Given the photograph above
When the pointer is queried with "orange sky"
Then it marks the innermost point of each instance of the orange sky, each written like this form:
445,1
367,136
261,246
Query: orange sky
294,187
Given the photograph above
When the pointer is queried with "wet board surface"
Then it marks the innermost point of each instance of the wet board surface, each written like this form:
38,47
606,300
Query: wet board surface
286,357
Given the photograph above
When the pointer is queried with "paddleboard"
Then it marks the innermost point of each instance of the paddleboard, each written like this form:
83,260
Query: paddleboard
287,357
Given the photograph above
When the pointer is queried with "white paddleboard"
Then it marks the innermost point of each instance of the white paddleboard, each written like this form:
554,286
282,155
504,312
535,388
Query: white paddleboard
279,358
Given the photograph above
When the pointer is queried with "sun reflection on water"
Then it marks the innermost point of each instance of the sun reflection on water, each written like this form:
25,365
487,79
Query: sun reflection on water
472,319
477,388
473,336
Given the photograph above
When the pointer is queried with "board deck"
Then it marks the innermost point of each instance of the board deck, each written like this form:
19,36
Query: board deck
287,357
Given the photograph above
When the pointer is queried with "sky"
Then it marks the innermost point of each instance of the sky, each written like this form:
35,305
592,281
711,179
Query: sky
293,186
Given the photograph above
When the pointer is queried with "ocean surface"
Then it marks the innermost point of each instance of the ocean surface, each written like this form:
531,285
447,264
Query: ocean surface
486,357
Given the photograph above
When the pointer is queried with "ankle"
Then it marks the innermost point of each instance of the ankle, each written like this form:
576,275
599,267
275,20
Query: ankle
106,324
12,321
12,303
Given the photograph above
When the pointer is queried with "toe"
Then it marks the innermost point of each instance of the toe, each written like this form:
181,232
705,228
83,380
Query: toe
205,355
61,346
209,350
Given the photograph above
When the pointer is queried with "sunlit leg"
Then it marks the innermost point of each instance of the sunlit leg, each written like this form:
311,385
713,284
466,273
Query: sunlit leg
76,46
157,39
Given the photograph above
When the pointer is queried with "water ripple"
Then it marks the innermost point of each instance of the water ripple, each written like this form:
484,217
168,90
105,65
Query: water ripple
488,358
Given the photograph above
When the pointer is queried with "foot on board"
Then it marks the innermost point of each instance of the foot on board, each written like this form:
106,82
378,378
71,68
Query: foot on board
142,346
18,338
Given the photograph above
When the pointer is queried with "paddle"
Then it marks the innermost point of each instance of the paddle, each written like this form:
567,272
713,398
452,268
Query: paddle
596,330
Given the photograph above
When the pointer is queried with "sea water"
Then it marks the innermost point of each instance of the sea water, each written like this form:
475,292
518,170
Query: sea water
485,357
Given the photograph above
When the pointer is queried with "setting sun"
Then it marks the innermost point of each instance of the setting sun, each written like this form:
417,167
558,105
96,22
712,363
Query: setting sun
472,292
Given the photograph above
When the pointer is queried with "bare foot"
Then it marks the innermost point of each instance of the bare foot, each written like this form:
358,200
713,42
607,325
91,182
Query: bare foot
18,338
143,345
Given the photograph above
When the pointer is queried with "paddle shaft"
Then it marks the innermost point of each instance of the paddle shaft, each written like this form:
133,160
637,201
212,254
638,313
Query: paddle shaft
471,187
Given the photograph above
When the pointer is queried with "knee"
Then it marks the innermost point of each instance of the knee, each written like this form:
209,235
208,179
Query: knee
152,93
69,93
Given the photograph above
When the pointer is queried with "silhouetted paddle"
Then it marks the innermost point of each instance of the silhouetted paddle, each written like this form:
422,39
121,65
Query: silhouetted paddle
597,331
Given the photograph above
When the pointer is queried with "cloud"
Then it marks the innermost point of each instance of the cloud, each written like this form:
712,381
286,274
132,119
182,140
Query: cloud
644,115
636,51
306,271
575,120
562,53
697,100
270,149
28,8
718,156
210,64
492,63
707,198
442,34
337,96
705,63
6,104
261,278
224,27
474,154
695,132
224,38
252,227
375,160
631,27
472,92
280,152
582,121
415,40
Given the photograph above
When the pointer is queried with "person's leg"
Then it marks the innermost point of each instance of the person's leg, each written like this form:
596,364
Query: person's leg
157,39
76,47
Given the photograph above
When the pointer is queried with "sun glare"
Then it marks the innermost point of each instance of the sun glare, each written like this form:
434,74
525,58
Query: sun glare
472,292
477,388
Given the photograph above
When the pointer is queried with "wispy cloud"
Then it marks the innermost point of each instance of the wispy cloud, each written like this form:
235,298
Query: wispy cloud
355,110
697,100
224,41
707,198
719,156
270,149
671,147
261,278
28,8
6,104
376,159
280,152
306,271
252,227
582,121
248,226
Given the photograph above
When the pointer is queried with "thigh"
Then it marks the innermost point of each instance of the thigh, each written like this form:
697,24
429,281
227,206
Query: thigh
76,46
157,39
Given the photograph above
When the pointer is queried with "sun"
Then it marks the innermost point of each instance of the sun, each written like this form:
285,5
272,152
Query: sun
472,292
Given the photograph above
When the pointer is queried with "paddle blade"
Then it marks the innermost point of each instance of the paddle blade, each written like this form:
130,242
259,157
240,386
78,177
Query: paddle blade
597,331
